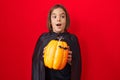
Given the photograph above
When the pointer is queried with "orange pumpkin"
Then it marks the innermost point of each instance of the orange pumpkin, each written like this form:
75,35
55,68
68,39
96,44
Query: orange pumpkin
56,54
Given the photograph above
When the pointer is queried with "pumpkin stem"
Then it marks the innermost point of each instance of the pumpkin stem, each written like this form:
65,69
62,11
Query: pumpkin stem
63,47
60,38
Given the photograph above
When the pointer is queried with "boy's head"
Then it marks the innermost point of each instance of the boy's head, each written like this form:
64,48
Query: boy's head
58,19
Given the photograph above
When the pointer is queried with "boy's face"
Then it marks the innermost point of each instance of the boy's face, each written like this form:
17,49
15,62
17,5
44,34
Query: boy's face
58,20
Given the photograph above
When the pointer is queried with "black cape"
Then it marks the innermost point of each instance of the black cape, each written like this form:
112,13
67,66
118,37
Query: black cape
38,68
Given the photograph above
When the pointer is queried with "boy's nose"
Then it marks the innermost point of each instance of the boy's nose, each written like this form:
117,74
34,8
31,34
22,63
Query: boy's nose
58,19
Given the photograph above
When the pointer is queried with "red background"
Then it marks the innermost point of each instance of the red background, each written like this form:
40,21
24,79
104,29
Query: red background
95,22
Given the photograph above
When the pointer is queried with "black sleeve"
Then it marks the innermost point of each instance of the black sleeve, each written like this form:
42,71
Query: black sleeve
76,59
36,61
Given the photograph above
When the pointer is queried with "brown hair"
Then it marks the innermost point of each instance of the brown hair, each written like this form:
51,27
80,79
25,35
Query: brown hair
49,16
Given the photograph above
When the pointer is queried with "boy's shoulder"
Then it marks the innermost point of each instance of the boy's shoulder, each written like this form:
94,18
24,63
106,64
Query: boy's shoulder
44,34
41,36
72,36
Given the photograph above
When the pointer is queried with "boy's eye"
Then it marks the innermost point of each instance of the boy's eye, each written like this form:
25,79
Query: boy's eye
53,16
63,16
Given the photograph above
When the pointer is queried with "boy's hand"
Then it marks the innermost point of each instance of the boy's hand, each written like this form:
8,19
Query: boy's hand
70,57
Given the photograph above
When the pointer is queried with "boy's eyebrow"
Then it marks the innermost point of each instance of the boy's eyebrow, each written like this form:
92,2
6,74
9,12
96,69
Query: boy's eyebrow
62,13
55,13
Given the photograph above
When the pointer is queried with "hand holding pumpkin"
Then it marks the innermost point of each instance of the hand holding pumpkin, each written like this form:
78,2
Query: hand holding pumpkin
69,57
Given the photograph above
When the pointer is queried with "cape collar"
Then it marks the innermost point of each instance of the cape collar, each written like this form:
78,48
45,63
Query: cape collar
58,34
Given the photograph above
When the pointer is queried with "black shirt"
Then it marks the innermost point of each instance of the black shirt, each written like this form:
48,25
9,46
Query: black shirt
64,74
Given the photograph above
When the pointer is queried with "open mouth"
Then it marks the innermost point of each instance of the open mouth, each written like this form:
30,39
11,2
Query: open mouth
58,24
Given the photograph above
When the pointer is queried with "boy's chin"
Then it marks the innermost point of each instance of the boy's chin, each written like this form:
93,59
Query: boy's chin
59,31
